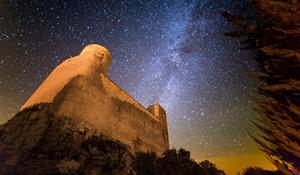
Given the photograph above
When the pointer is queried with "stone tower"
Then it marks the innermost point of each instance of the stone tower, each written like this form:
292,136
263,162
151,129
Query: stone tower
160,113
93,61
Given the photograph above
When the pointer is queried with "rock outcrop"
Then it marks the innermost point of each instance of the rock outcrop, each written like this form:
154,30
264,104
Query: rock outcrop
36,141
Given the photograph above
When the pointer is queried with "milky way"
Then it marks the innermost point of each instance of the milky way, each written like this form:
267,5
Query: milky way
172,53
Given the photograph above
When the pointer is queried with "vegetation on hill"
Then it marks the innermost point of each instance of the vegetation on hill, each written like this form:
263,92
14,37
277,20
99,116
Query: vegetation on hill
173,162
259,171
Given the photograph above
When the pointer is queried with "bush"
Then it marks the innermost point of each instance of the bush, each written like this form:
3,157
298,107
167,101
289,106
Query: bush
259,171
173,162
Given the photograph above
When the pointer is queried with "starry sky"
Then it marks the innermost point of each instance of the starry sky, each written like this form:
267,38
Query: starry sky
164,51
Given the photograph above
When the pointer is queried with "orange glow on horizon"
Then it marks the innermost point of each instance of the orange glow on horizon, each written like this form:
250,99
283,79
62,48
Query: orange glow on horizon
233,164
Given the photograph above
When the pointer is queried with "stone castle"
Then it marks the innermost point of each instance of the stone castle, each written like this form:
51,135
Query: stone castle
80,89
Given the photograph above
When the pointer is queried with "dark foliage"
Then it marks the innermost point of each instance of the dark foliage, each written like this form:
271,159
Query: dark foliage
274,36
109,156
173,162
146,163
259,171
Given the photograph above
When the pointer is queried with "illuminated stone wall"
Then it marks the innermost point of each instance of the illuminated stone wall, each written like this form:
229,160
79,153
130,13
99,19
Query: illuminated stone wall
80,89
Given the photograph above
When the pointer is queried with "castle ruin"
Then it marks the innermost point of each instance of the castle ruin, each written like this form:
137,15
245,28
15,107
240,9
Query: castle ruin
80,89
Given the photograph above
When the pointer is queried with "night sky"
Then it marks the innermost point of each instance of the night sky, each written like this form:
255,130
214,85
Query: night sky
173,53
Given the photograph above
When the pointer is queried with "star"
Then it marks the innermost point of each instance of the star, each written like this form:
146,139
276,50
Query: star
168,52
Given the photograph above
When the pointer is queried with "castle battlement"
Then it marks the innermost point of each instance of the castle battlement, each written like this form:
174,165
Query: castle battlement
79,89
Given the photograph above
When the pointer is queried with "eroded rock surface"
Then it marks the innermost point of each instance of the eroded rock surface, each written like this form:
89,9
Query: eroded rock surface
37,141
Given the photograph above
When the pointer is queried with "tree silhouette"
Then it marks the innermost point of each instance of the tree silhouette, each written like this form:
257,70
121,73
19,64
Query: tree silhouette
173,162
274,36
259,171
146,163
210,168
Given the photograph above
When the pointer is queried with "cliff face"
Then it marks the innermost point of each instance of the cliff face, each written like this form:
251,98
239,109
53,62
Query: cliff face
37,141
